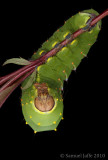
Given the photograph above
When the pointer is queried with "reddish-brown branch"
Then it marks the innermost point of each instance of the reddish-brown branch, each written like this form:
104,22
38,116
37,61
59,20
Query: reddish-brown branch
9,76
99,17
8,91
13,77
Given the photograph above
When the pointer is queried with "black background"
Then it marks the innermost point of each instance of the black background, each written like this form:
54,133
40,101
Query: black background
23,28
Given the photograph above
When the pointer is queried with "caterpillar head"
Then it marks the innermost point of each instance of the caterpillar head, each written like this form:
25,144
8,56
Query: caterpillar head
43,102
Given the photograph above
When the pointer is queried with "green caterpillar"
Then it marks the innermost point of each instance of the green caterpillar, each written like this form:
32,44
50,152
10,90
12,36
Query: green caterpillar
42,103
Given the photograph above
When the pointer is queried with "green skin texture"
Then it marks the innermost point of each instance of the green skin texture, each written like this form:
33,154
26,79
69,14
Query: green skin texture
52,73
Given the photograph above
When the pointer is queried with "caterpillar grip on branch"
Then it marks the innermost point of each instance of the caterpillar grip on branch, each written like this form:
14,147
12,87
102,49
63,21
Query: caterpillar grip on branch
42,77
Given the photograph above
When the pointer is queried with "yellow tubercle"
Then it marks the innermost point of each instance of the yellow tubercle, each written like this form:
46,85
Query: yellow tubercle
31,101
49,59
54,122
35,131
73,42
65,34
82,26
55,129
38,124
38,68
41,52
63,48
54,44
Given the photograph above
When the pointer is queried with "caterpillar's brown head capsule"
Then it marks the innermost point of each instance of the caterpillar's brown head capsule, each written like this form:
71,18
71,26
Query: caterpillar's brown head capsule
43,102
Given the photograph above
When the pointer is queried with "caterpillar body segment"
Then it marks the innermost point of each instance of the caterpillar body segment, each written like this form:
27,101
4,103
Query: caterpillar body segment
38,118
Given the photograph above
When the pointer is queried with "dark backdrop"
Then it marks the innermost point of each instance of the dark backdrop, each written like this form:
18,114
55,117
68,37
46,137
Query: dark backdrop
24,27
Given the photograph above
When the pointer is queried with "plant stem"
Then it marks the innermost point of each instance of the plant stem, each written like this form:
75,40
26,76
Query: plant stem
99,17
13,87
